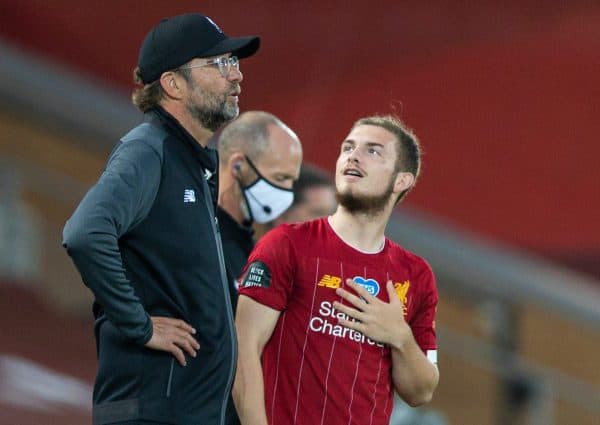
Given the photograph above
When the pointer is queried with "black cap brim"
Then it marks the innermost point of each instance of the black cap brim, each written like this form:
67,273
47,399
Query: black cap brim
242,47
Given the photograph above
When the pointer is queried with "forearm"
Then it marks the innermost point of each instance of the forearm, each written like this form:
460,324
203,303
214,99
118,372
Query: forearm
254,325
414,376
248,390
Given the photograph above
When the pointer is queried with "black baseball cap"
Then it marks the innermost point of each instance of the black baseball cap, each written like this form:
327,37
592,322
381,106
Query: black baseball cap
177,40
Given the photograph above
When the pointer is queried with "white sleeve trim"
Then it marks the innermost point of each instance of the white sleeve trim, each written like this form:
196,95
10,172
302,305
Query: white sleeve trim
432,356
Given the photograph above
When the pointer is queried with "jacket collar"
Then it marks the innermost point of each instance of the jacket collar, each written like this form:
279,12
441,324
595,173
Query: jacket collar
207,157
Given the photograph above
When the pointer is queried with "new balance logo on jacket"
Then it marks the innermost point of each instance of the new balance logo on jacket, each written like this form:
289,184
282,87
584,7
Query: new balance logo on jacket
189,196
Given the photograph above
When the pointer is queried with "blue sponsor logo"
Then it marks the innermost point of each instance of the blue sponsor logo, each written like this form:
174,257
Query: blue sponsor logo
370,285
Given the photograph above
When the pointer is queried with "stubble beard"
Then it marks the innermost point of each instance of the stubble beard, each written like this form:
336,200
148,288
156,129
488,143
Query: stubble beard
213,111
370,205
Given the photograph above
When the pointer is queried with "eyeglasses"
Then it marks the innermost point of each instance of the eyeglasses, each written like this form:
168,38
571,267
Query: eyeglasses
225,65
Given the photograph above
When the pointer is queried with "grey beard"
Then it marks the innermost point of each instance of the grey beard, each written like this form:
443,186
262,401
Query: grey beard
214,119
216,112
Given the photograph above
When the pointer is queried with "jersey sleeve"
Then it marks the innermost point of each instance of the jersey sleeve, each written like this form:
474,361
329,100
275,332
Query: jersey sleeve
268,275
423,322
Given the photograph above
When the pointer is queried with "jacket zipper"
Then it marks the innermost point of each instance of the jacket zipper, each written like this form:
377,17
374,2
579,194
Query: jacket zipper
229,319
170,381
225,285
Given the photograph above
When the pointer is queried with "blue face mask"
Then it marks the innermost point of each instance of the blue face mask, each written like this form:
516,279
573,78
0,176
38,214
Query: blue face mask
265,200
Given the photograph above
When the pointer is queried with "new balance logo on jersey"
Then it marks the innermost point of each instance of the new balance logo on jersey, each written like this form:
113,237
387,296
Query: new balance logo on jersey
329,281
189,196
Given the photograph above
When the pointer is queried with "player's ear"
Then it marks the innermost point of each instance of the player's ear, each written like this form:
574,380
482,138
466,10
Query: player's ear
403,182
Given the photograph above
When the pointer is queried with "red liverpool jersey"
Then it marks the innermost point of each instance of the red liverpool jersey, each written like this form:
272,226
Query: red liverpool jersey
315,370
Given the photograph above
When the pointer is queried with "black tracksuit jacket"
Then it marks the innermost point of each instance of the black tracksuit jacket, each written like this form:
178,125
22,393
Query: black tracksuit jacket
146,242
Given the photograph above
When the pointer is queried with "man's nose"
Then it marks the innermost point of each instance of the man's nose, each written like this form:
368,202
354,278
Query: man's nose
353,156
235,75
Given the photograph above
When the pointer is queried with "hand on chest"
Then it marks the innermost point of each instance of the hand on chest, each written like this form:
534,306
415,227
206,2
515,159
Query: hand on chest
321,278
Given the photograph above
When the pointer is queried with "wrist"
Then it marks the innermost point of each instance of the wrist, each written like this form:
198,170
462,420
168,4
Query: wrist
398,344
401,340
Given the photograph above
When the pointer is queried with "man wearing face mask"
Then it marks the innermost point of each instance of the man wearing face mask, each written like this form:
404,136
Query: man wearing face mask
259,161
314,197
